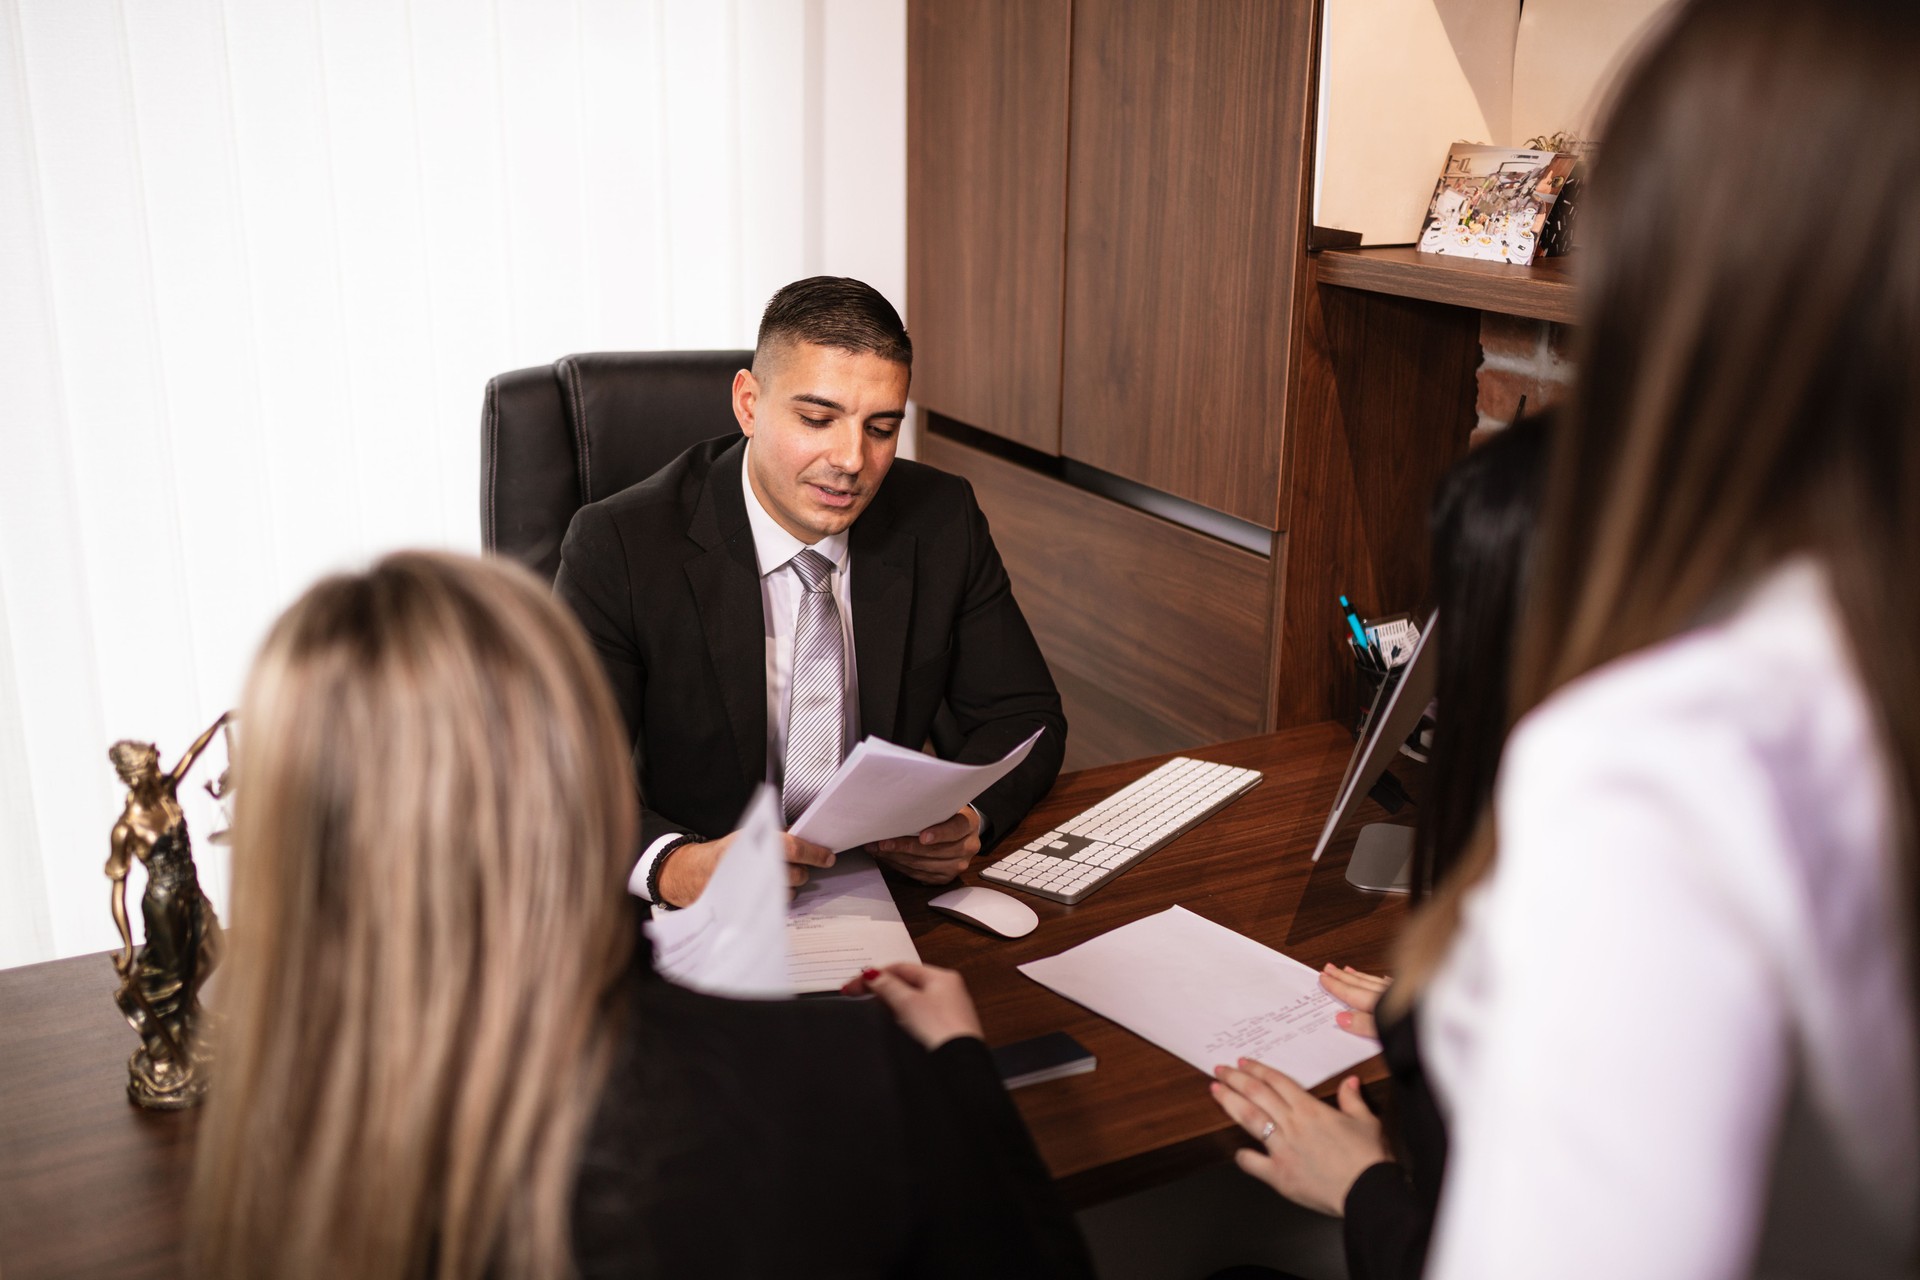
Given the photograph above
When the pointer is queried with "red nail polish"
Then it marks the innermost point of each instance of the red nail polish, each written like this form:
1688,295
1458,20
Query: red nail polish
1343,1019
869,974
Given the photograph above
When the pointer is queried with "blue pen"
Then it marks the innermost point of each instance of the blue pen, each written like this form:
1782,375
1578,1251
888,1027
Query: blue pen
1359,632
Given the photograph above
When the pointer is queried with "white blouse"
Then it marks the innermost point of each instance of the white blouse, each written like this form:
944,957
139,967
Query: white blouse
1674,1036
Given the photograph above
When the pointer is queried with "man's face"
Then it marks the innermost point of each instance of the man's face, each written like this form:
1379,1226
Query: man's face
824,425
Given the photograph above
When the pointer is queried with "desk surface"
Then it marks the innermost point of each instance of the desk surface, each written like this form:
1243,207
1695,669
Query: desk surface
90,1185
1144,1116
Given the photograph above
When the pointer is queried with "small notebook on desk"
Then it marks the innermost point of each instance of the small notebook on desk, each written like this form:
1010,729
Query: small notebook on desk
1053,1056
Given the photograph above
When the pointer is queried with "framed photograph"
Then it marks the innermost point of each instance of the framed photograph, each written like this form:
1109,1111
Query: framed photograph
1493,202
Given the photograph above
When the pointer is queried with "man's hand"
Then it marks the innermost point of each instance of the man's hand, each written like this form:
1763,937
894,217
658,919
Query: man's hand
932,1004
937,854
689,867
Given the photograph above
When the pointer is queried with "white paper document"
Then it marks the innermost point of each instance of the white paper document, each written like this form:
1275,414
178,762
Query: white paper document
882,790
745,936
1207,995
843,920
732,940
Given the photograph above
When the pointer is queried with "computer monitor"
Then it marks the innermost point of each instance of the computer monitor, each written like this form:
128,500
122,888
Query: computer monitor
1382,859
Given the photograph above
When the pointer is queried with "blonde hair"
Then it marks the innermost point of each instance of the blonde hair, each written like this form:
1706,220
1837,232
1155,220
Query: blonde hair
433,820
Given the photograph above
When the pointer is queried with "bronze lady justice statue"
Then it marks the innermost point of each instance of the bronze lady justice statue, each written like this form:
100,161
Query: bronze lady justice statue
160,983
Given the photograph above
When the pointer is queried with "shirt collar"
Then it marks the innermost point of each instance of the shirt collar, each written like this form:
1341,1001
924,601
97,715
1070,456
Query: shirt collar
773,546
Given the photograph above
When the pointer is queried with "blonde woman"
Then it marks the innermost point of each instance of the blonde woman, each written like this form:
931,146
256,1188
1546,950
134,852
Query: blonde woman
1667,1002
445,1055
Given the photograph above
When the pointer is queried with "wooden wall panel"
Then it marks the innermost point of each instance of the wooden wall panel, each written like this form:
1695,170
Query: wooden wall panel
1383,406
1157,636
986,211
1189,129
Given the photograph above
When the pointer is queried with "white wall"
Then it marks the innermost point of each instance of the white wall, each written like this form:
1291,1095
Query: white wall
259,257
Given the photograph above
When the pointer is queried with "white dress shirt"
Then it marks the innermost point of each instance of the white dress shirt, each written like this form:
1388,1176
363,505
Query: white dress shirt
1674,1034
780,591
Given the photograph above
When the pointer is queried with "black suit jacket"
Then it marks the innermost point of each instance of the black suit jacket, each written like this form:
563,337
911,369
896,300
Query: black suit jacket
808,1138
665,579
1390,1208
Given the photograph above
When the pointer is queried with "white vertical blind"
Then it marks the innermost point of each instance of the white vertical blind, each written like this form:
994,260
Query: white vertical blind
258,259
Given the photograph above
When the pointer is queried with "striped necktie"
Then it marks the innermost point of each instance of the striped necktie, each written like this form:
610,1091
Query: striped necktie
816,719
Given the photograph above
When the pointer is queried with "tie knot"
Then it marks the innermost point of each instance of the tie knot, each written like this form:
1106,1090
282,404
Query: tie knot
815,570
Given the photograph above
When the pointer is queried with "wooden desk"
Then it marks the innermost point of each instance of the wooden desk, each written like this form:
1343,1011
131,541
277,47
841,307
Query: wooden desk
1144,1116
89,1184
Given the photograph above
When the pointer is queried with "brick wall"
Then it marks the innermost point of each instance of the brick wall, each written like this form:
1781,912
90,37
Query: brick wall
1518,357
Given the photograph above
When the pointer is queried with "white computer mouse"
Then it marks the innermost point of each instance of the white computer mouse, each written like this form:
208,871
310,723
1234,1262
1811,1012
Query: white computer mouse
992,910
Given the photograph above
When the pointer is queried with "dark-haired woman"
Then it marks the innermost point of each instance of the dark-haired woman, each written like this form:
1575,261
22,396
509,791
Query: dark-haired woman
1338,1159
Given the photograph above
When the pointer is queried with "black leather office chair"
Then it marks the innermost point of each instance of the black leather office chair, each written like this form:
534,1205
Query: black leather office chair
558,436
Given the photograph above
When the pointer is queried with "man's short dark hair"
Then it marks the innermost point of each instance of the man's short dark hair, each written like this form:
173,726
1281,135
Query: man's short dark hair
833,311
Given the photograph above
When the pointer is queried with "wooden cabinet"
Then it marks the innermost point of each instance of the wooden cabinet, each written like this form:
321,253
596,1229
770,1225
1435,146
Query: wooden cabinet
1387,342
1381,406
1103,225
1150,629
1108,277
1183,215
986,211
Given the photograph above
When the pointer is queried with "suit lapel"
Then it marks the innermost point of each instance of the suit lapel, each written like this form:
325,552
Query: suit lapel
725,580
882,607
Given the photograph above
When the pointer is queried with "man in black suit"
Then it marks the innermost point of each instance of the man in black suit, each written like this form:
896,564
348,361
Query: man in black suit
763,601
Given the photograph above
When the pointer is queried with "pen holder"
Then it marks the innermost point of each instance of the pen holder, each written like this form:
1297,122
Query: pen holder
1375,681
1381,658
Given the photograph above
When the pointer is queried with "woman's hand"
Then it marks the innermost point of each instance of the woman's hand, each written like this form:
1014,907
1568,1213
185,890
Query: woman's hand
1312,1153
932,1004
1360,990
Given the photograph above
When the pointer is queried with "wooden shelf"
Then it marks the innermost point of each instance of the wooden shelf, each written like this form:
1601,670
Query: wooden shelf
1543,291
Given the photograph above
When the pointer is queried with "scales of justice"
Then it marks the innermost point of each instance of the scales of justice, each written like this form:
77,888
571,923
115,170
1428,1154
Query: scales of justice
161,979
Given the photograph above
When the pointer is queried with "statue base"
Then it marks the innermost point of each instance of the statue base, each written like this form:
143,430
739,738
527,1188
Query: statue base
165,1086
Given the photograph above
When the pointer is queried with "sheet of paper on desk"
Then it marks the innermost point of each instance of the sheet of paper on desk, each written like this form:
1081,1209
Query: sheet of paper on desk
732,941
882,790
1207,995
843,920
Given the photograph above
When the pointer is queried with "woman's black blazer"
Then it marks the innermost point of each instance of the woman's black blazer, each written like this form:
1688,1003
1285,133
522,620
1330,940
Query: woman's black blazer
804,1138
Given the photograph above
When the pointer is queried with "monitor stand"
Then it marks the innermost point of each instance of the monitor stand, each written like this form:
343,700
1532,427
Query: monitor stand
1382,860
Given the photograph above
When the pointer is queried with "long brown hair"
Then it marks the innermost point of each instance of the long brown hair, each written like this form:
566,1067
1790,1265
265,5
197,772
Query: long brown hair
1749,357
432,823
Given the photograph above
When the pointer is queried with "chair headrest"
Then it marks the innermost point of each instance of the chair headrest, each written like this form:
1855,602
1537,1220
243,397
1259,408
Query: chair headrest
556,437
632,412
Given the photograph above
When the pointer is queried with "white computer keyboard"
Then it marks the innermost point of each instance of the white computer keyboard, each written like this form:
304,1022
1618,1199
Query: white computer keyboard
1096,845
